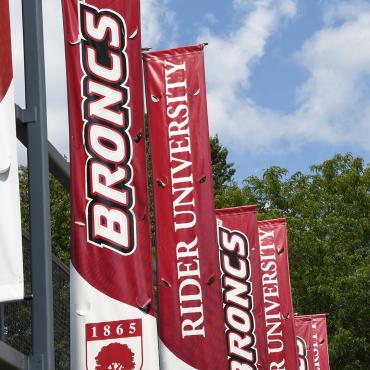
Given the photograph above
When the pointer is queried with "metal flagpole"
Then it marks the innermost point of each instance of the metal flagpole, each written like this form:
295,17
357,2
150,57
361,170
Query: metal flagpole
38,168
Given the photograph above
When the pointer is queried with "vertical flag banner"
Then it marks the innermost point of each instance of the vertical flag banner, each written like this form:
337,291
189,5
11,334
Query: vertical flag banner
241,287
303,330
112,314
278,306
320,346
190,307
11,262
319,325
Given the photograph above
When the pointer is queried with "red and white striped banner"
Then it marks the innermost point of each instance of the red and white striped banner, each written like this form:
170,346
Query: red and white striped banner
112,314
11,262
320,345
191,316
241,286
278,306
303,330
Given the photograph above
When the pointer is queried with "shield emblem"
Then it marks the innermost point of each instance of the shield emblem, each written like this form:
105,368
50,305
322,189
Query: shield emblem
114,345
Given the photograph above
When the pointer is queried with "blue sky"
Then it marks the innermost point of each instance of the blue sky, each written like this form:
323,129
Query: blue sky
287,80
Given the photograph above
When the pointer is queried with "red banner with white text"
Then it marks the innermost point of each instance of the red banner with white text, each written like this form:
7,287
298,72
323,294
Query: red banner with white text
190,306
278,305
11,261
241,286
303,331
112,314
320,344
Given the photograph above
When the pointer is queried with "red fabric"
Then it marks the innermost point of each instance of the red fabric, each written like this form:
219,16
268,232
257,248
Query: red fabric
6,70
191,170
319,341
238,226
303,330
118,274
279,314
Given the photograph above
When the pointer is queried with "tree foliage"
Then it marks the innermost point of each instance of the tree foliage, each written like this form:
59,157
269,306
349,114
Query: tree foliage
329,242
60,214
328,213
223,171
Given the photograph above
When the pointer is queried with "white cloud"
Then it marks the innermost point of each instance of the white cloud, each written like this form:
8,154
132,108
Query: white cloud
155,13
54,68
210,18
229,63
17,49
56,84
345,10
333,103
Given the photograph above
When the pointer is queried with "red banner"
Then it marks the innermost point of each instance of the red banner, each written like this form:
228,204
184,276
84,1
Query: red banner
241,287
191,316
111,275
303,330
320,344
6,71
278,306
11,262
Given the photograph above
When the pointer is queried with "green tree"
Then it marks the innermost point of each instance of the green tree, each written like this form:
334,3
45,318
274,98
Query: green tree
223,171
60,242
60,214
329,232
329,238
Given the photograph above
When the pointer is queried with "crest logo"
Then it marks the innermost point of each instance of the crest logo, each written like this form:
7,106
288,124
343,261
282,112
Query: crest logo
115,345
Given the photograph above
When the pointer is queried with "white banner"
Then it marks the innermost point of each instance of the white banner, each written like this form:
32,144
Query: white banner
11,261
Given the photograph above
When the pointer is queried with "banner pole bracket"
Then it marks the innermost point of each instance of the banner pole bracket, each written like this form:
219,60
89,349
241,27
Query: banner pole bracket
26,116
